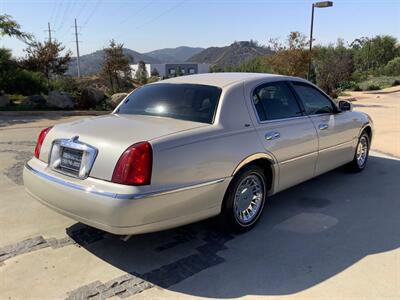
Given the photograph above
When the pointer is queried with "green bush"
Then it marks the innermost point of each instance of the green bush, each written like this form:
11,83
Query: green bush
396,82
377,83
393,67
347,85
26,83
66,84
372,87
15,80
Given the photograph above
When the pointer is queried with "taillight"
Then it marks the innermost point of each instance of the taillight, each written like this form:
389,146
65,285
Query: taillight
40,140
134,165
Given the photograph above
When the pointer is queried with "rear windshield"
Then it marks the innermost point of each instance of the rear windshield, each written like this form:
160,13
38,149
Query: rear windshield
193,102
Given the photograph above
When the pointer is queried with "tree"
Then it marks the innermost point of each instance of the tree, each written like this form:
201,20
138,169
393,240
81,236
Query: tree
47,58
154,73
333,65
373,54
178,71
11,28
290,58
393,67
14,80
141,73
116,69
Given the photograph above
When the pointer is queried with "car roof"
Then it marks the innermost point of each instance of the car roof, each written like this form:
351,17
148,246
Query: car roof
222,79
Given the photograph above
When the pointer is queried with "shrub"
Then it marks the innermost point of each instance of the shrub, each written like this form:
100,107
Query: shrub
393,67
377,83
66,84
373,87
153,79
396,82
347,85
27,83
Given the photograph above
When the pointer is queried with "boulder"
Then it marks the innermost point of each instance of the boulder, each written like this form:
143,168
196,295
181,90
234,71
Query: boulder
115,99
60,100
90,97
35,101
4,100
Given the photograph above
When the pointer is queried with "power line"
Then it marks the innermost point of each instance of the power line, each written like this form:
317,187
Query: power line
162,14
82,9
58,11
64,16
92,13
170,9
53,10
130,17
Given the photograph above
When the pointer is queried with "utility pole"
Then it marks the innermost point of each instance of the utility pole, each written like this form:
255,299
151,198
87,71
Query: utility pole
49,31
77,50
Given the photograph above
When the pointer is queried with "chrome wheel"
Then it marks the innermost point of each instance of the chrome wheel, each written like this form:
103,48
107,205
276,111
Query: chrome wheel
249,198
362,151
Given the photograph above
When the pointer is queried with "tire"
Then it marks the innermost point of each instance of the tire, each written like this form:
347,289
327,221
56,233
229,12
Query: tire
234,212
361,154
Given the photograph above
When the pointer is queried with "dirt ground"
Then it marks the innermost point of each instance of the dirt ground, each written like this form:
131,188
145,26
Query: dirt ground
384,108
333,237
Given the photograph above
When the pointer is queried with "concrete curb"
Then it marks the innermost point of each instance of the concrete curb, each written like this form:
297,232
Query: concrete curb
53,113
395,90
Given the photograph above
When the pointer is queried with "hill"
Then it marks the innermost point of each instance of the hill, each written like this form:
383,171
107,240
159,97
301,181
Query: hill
174,55
91,63
231,55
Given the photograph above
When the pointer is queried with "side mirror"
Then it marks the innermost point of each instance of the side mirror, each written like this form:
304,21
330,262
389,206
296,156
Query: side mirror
345,105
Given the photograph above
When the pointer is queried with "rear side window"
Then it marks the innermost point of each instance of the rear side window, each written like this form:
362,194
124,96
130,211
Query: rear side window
275,101
314,101
193,102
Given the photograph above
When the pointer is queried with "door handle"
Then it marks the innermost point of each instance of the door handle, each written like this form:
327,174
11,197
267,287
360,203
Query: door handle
272,135
323,126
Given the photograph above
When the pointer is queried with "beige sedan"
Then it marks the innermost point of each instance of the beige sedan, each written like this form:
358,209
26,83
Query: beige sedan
193,147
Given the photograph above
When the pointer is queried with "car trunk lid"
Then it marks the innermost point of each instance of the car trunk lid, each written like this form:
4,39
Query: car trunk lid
112,134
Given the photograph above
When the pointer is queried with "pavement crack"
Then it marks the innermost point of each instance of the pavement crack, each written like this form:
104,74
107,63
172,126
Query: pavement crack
82,236
15,171
165,276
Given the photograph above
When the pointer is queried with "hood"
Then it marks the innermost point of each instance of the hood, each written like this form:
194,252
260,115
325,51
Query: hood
113,134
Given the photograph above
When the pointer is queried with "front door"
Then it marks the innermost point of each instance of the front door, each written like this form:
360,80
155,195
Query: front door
335,131
285,131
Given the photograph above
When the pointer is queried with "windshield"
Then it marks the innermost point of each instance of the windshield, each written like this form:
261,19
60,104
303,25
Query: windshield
193,102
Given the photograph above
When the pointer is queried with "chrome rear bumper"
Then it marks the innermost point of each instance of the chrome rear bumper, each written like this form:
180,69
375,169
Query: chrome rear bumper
121,209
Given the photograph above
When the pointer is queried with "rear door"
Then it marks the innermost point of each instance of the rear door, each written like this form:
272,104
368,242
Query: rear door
284,130
335,129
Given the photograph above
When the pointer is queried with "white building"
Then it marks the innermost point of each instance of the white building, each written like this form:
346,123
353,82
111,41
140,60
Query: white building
170,70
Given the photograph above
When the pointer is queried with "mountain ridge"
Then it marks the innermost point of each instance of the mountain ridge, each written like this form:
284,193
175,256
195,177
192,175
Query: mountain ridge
232,55
174,55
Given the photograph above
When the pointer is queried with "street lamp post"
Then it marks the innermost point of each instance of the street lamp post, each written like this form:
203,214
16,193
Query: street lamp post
321,4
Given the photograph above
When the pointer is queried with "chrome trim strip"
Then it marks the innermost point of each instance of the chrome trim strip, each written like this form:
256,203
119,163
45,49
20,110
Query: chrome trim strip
88,156
336,146
116,195
299,157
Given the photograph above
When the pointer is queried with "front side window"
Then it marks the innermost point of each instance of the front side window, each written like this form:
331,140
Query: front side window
314,101
193,102
275,101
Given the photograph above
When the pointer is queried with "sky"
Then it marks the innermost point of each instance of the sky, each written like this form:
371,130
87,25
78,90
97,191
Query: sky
146,25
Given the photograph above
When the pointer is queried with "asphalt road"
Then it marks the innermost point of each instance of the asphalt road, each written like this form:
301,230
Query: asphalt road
334,237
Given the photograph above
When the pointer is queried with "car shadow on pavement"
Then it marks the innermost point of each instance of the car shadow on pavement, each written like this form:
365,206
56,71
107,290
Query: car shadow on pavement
306,235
